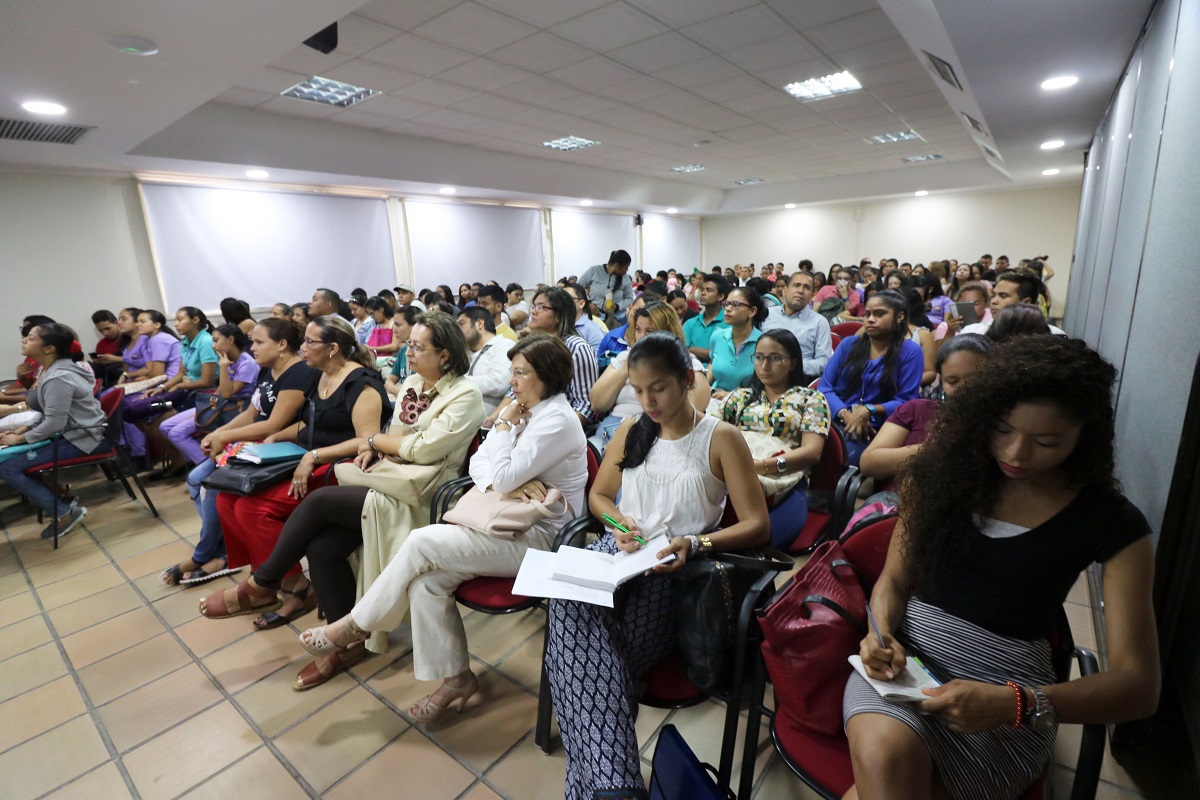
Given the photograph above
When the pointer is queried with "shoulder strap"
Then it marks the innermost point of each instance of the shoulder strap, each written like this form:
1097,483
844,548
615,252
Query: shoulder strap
763,559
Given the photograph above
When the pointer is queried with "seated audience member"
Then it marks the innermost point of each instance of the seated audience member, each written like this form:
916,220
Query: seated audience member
872,375
620,338
840,291
158,351
381,342
612,394
363,322
133,360
894,280
978,295
402,324
810,328
732,348
405,296
764,289
237,312
345,405
492,299
447,296
1012,287
198,371
1020,319
489,365
237,373
63,395
960,278
553,312
27,370
698,331
678,301
536,444
584,325
388,297
281,311
901,436
518,308
674,468
326,303
466,297
791,422
373,514
1003,508
920,331
107,359
282,382
937,301
300,315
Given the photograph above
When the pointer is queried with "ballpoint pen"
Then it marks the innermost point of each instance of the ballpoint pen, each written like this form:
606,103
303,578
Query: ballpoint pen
621,528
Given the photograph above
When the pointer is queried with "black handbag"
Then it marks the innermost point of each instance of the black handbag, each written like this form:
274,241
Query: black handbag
243,478
213,411
676,773
707,595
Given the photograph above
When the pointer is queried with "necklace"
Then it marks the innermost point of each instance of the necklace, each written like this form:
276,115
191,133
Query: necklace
324,393
671,472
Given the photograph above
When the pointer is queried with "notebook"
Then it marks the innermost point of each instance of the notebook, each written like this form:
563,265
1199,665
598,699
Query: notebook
273,453
566,575
906,687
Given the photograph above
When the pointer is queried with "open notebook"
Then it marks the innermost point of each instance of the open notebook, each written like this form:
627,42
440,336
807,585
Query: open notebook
585,575
906,687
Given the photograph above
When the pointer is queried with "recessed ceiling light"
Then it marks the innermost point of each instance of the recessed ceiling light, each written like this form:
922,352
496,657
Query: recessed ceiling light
672,210
748,181
567,143
898,136
329,92
921,193
688,168
702,143
585,202
133,45
1053,144
447,190
1050,172
919,159
43,107
816,88
1059,82
790,205
257,173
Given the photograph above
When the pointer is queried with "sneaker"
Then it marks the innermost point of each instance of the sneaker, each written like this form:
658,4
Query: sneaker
77,513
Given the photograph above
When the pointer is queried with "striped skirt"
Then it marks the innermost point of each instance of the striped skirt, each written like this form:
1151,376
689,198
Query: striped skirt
1000,763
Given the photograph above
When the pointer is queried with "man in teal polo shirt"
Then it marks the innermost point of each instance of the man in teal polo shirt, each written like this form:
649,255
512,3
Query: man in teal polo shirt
698,330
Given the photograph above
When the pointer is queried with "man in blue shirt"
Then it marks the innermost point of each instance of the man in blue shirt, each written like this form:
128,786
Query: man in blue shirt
614,341
810,328
698,331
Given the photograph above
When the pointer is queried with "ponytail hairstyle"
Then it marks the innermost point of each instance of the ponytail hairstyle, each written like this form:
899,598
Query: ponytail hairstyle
235,311
195,313
336,331
235,335
755,300
160,318
126,339
850,378
670,357
283,331
60,337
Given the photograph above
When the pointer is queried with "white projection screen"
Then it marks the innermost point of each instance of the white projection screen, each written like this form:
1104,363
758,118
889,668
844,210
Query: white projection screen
670,243
582,239
265,247
455,244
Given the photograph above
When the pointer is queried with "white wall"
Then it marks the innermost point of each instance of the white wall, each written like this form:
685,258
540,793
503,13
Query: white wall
70,246
1019,223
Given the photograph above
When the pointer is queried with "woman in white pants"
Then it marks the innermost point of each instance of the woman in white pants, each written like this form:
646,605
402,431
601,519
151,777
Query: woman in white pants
537,443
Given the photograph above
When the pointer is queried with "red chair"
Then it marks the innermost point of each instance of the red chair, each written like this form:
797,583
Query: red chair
829,478
844,329
833,337
108,453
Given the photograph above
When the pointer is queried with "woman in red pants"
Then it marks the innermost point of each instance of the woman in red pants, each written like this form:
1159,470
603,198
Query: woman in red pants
346,406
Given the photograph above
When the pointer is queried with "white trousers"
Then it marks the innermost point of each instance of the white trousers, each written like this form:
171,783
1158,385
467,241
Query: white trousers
421,579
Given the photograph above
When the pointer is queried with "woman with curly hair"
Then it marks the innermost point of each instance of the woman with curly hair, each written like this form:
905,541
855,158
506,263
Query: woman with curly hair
1012,496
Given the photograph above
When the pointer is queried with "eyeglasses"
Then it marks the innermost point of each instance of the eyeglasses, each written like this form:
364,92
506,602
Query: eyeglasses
734,304
540,307
311,342
774,359
414,350
521,374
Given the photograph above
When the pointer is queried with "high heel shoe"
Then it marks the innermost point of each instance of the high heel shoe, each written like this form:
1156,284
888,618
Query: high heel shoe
317,642
426,711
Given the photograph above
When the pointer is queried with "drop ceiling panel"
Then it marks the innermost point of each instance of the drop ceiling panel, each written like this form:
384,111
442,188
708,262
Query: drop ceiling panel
538,90
435,92
373,76
739,29
699,73
398,108
357,35
304,59
681,13
659,53
414,54
484,75
594,74
272,81
779,52
812,13
406,15
640,88
474,28
610,27
239,96
299,108
542,52
731,88
545,13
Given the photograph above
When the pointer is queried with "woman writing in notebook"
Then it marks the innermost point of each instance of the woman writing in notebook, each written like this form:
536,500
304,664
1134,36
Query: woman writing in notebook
1009,499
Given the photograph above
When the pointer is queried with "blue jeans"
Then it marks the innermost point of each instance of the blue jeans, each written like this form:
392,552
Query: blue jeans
212,539
12,472
788,517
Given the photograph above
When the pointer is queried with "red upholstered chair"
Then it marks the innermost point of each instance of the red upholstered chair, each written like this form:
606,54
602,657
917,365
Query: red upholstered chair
107,453
835,339
844,329
829,479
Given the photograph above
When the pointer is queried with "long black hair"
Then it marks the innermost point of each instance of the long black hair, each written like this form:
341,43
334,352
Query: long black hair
916,309
195,313
160,318
60,337
235,311
235,334
754,299
670,357
860,352
787,340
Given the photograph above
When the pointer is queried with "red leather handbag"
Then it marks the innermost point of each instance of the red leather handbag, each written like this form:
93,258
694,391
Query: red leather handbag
809,630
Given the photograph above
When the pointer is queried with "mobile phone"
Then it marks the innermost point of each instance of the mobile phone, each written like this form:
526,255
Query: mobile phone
967,312
93,356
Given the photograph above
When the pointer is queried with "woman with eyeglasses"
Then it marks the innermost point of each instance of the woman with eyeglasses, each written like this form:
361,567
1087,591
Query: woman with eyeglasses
785,423
732,348
346,404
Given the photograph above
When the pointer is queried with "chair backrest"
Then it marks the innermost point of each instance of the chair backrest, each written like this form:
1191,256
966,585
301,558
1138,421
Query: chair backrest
110,401
828,471
867,547
476,441
593,466
833,337
844,329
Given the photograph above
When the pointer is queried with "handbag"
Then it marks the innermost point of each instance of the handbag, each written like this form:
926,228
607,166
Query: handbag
676,773
707,595
809,630
407,483
243,478
764,445
503,517
213,411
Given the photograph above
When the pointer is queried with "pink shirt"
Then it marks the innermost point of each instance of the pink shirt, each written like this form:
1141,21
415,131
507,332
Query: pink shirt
854,302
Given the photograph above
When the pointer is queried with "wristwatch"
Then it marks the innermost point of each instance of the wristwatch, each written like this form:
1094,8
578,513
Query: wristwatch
1042,716
780,465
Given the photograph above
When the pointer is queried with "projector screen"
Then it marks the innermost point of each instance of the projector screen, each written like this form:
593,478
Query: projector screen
455,244
264,247
582,240
670,243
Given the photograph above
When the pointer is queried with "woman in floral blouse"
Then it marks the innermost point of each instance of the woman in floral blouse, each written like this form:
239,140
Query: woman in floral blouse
785,424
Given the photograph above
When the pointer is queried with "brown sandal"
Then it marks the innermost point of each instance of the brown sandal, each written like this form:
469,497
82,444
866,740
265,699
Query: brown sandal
245,594
326,667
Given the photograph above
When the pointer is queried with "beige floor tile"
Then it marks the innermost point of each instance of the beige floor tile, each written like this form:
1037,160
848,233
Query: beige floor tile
482,792
52,759
260,770
69,546
1067,753
413,761
158,706
126,546
180,604
339,737
779,783
524,664
530,774
490,637
24,672
274,706
96,608
154,561
648,722
1080,619
13,584
253,657
8,563
67,567
111,636
189,753
37,711
504,710
129,669
203,636
104,783
1063,779
24,635
84,585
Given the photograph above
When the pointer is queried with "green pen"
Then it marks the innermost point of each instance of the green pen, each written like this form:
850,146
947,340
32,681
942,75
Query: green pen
621,528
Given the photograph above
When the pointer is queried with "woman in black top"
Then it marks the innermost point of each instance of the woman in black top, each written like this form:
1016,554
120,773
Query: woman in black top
345,406
1010,498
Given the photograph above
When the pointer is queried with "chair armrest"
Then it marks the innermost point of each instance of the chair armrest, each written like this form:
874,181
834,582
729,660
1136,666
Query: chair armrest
445,493
574,531
329,474
844,497
1091,740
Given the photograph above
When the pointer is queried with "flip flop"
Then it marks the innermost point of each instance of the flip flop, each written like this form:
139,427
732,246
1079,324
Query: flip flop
201,575
273,619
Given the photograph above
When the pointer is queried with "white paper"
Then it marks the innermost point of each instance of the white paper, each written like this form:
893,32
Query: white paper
604,571
906,687
534,580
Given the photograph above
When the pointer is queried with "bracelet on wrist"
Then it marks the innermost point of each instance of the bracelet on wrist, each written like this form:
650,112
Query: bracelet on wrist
706,546
371,442
1016,724
316,458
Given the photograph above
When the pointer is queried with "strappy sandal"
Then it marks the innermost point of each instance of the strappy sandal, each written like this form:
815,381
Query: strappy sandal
326,667
315,640
245,595
174,575
272,619
426,711
201,575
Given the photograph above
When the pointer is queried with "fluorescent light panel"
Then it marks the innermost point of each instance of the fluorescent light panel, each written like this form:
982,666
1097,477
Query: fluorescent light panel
748,181
688,168
1059,82
898,136
330,92
568,143
919,159
817,88
1053,144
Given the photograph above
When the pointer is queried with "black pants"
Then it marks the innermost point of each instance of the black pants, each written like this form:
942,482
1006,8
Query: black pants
326,527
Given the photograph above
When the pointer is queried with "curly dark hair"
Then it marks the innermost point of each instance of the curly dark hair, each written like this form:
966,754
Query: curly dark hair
955,476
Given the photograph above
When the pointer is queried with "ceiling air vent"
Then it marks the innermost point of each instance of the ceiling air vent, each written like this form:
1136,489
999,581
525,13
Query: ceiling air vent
21,130
944,70
976,124
991,152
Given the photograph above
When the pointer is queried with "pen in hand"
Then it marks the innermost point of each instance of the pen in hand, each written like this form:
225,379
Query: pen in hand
621,528
878,635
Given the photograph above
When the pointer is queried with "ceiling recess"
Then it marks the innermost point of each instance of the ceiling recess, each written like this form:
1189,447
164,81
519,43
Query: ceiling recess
21,130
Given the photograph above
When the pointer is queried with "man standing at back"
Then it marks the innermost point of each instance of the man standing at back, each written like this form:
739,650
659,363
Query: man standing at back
698,331
608,286
810,328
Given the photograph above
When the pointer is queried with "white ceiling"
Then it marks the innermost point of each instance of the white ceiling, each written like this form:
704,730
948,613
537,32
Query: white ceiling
472,88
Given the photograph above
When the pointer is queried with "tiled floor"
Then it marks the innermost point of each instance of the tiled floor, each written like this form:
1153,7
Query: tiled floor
113,686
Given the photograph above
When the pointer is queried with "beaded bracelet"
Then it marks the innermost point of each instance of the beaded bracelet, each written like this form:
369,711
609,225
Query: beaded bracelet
1020,704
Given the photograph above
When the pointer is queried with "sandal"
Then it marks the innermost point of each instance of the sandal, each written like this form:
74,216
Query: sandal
272,619
426,711
173,576
324,668
319,643
245,594
201,575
